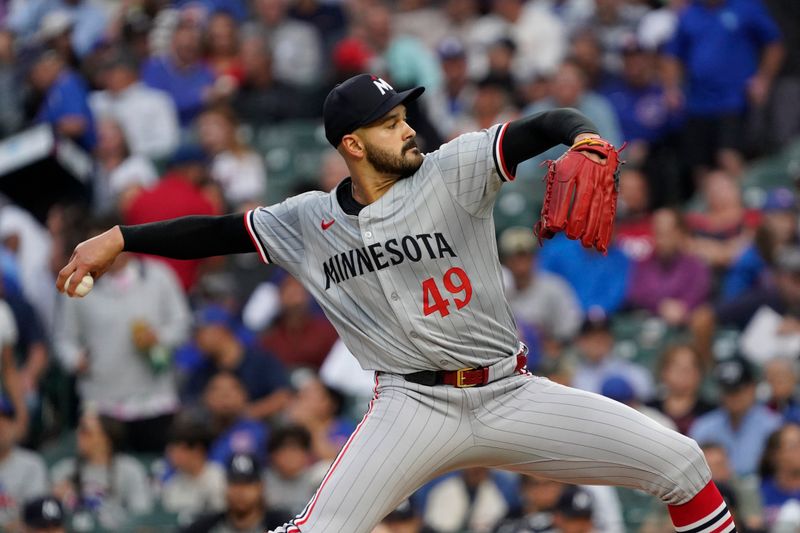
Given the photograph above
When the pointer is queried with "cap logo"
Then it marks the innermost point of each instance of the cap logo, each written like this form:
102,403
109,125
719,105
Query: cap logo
382,86
50,510
242,463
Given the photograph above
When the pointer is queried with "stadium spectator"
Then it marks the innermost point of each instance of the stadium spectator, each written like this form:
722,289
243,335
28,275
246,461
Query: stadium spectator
235,167
680,373
120,175
780,470
23,474
296,47
492,105
64,99
293,473
299,336
781,376
246,508
745,489
329,19
148,116
183,75
403,519
541,299
11,113
181,191
225,400
723,228
783,117
726,53
599,281
471,500
615,23
99,481
670,283
262,99
538,497
137,315
598,361
44,515
779,227
262,376
539,35
88,19
634,226
620,390
196,485
573,512
740,424
222,54
318,408
459,90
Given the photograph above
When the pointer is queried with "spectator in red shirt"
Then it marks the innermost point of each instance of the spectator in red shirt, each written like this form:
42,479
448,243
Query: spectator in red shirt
180,192
298,336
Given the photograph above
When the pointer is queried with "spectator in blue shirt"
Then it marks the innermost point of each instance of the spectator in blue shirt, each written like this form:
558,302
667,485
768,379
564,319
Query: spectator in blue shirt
89,20
780,470
600,281
726,51
262,375
183,75
225,400
740,424
65,105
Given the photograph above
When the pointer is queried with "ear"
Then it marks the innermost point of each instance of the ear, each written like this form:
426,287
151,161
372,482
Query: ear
353,146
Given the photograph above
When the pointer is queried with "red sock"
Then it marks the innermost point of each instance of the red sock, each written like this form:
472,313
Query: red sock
705,513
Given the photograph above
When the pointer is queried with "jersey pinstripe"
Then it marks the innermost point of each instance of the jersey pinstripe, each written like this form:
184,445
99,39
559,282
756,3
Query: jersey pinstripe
413,281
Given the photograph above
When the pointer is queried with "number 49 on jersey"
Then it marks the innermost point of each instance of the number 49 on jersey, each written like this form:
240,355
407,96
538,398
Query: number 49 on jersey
456,282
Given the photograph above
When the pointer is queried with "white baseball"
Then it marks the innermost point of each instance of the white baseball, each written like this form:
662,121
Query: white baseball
83,287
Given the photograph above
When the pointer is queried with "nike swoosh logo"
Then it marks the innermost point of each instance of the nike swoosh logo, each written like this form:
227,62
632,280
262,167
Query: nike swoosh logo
325,225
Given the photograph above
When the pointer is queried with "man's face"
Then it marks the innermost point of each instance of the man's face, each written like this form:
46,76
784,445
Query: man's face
225,397
667,235
737,401
390,144
244,498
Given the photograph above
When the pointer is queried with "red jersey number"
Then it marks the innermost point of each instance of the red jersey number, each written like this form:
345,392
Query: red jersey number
456,282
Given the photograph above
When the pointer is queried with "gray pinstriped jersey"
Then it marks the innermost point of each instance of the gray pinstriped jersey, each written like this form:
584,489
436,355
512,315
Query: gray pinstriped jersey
412,282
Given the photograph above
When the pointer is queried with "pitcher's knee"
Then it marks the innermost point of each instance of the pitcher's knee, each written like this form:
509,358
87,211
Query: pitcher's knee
688,473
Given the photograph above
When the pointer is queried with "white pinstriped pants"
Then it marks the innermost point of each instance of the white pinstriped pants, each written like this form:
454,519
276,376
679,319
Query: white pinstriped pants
523,423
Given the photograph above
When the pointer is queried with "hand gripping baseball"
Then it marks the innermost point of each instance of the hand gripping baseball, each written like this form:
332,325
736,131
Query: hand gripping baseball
581,194
91,257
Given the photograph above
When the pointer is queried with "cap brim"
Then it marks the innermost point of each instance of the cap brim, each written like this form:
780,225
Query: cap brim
397,99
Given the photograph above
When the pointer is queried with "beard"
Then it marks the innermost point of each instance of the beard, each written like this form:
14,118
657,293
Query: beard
403,165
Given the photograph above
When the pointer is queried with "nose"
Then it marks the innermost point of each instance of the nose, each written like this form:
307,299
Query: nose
409,133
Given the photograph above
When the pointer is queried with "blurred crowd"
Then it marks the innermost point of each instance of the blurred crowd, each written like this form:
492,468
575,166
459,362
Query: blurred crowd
212,395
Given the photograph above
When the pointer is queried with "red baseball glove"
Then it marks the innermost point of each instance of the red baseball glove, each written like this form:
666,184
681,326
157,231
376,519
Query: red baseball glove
581,194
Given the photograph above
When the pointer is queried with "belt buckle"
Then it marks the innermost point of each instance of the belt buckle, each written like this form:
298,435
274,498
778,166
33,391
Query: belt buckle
460,378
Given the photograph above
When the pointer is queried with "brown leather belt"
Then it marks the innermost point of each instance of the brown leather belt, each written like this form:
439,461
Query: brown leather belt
462,378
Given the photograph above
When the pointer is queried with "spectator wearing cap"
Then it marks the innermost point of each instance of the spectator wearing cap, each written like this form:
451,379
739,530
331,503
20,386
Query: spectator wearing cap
538,498
43,515
118,343
23,474
194,485
573,513
403,520
753,267
780,470
726,54
598,361
183,75
459,90
89,20
740,424
296,46
98,480
225,401
148,116
620,390
541,299
671,283
299,336
293,473
246,508
263,376
182,191
600,281
65,99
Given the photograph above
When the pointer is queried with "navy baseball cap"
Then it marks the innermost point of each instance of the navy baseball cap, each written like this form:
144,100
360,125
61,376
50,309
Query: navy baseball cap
575,503
732,373
44,512
243,468
359,101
